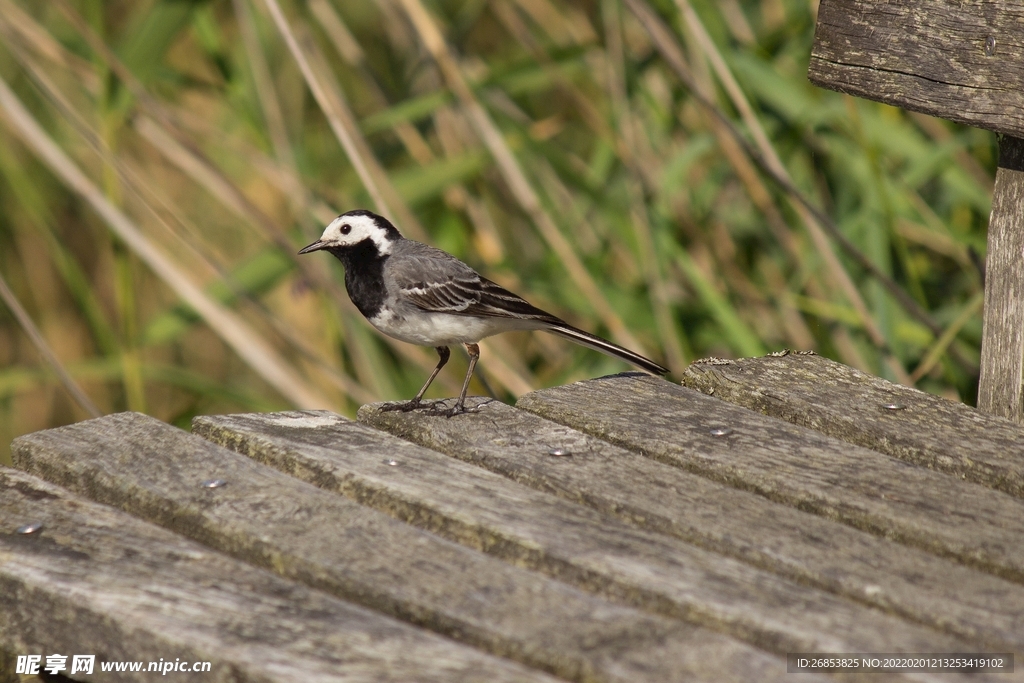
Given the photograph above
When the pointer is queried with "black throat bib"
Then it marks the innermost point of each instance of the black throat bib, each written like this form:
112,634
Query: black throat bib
364,275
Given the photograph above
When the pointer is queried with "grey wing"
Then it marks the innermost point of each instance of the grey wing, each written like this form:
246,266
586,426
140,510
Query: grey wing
433,280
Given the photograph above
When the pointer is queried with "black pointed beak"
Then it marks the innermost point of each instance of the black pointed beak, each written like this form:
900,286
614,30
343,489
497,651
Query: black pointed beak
316,246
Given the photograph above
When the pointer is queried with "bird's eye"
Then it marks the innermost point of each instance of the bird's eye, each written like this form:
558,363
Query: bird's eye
346,229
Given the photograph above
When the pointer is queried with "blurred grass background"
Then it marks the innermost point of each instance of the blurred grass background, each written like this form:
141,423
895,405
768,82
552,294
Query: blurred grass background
162,160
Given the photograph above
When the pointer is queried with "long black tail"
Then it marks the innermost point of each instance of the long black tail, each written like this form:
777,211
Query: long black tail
586,339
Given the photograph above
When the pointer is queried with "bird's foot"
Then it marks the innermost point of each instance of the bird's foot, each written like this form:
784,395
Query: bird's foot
433,407
456,409
407,407
459,408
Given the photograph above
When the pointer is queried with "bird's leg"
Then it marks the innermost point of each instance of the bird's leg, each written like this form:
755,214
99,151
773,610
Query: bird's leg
445,353
460,405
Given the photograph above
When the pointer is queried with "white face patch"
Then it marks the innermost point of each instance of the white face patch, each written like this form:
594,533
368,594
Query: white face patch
347,230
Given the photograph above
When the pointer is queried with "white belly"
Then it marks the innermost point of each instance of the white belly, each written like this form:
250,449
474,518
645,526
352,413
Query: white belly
444,329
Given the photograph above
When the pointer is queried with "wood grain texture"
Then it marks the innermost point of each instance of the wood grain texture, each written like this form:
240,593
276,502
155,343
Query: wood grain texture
837,400
98,581
328,541
8,664
1001,387
962,61
910,582
574,543
796,466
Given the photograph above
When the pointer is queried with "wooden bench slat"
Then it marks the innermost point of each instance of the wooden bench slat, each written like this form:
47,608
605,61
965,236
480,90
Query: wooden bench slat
911,582
268,518
845,403
97,581
796,466
955,60
575,543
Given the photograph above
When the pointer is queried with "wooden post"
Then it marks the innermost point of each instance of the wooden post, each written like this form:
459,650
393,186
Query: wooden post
962,61
1001,389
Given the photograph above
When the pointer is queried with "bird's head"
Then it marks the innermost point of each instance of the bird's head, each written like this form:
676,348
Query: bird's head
353,228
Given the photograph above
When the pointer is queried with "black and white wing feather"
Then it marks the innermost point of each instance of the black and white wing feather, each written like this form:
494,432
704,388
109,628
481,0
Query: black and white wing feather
435,281
472,296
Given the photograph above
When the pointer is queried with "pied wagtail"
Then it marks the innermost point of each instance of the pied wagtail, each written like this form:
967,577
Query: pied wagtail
422,295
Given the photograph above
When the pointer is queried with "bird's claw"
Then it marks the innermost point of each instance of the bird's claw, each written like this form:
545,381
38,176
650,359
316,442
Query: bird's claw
406,407
433,407
457,409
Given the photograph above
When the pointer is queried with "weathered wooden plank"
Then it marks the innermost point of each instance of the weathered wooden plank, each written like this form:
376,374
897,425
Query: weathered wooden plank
97,581
572,542
1001,387
847,404
271,519
796,466
7,666
960,61
912,583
